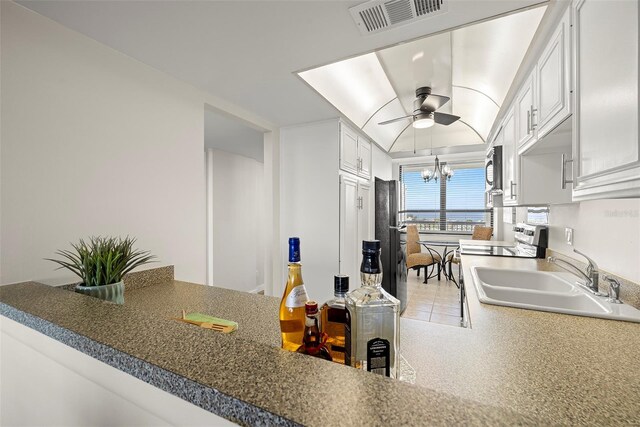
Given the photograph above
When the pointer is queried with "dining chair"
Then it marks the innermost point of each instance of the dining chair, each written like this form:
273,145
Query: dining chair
479,233
416,259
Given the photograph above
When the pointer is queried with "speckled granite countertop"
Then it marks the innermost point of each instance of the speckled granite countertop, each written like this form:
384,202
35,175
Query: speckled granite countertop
513,367
260,384
566,369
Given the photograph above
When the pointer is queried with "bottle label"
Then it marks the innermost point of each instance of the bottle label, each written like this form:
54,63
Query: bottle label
297,297
378,356
347,338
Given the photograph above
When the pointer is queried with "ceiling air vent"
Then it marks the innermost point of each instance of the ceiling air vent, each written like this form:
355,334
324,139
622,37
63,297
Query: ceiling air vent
379,15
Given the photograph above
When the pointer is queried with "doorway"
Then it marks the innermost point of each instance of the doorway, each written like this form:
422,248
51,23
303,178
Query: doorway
234,174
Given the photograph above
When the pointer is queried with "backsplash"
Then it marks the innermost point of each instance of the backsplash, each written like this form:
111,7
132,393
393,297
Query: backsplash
629,291
606,230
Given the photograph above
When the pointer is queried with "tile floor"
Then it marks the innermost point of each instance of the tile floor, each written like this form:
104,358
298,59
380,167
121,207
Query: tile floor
435,302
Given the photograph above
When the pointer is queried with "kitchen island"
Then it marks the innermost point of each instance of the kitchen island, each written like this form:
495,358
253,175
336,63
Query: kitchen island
511,367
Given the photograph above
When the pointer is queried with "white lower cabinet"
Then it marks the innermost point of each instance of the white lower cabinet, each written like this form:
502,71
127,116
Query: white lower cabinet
354,224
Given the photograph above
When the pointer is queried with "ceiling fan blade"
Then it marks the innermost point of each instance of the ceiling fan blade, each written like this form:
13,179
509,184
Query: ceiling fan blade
395,120
444,118
433,102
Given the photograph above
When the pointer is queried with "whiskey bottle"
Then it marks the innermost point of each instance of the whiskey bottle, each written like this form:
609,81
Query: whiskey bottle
334,316
372,339
313,341
292,313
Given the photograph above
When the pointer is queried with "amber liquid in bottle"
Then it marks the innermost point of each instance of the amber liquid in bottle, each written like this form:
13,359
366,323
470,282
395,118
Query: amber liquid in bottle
313,341
334,317
292,313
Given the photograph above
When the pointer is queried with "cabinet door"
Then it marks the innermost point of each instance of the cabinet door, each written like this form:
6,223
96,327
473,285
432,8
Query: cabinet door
364,214
606,146
553,80
510,157
364,154
524,111
348,225
348,149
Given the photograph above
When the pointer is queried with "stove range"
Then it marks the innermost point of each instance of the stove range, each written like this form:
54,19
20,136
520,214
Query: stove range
531,241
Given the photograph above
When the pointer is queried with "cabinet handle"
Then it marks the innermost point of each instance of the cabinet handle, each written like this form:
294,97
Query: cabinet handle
563,172
533,112
513,184
528,122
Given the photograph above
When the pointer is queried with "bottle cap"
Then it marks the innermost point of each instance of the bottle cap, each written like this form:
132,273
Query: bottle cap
370,245
294,249
311,308
340,284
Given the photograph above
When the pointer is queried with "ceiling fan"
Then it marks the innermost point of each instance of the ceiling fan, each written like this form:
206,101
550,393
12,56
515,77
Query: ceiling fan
424,110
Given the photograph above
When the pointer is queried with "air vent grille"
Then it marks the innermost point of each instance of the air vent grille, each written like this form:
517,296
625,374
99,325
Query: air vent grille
379,15
374,18
399,11
424,7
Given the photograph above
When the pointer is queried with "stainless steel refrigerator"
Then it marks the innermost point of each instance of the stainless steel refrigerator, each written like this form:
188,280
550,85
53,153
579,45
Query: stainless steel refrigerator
394,267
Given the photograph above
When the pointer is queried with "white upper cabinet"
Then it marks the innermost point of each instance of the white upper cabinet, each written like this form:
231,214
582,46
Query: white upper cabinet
349,160
510,160
364,153
553,80
606,148
355,153
524,111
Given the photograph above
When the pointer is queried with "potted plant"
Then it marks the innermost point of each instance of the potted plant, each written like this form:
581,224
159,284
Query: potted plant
101,263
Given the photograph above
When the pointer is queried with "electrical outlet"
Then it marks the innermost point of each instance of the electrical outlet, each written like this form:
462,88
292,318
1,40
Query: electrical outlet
568,235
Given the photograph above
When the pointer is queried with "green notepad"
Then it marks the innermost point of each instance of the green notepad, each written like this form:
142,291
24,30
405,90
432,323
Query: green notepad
199,317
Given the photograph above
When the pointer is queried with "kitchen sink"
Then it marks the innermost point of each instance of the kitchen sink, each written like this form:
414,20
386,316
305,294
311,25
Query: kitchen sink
545,291
533,280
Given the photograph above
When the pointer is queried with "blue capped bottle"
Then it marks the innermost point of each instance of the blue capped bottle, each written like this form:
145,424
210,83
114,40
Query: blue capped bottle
292,312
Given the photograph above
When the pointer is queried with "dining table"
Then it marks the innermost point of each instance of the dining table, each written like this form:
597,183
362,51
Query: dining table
448,247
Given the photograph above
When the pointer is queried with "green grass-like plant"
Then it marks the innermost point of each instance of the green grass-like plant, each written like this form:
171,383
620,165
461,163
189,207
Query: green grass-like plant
102,260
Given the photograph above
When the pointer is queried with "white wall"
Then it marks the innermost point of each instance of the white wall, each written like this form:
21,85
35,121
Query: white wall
310,202
381,165
94,142
606,230
237,218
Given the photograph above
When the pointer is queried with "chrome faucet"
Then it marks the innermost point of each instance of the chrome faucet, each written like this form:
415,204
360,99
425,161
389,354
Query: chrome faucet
614,290
591,275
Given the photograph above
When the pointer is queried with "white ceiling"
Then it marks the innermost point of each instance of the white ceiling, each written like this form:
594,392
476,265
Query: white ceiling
474,66
230,135
247,51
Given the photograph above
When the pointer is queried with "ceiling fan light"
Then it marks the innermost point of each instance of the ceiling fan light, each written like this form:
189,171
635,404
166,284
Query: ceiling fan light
423,123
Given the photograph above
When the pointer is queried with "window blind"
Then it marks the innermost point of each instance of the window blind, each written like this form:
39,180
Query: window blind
450,206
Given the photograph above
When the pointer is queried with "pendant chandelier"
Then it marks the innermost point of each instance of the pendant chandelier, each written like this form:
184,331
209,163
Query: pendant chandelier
444,172
439,171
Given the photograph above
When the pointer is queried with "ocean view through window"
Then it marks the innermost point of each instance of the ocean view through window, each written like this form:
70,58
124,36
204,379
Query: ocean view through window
453,206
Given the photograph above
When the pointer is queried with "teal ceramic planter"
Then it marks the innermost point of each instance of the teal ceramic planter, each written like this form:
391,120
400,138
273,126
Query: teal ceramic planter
113,292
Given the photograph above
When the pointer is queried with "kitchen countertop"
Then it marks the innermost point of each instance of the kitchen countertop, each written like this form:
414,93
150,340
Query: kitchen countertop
512,367
566,369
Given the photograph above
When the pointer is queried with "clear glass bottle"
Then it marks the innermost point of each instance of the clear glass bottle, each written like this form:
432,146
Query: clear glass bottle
334,317
313,341
372,331
292,314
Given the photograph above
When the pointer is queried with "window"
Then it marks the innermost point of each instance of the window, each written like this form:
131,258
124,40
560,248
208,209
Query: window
454,206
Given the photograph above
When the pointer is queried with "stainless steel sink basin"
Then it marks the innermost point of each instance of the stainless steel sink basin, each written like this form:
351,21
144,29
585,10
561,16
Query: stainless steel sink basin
545,291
